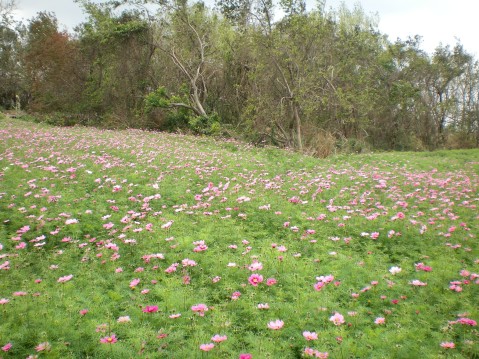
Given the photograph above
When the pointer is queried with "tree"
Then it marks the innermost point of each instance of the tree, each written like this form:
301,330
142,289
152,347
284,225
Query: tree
10,71
10,48
187,42
116,54
50,66
6,9
447,65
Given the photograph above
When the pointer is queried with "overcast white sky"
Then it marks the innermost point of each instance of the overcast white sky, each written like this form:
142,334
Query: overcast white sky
437,21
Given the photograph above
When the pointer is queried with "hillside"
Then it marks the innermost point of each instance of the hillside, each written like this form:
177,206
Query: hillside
122,244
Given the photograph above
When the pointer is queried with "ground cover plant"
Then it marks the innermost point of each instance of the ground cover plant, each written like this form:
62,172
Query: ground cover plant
131,244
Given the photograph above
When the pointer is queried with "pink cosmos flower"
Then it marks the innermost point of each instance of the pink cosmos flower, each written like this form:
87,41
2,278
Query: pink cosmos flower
255,266
417,283
174,316
255,279
20,294
219,338
395,270
108,225
171,268
282,249
4,301
150,309
337,319
271,281
45,346
245,356
207,347
7,347
200,309
83,312
109,339
167,225
263,306
310,335
380,321
275,324
310,352
134,283
21,245
124,319
448,345
65,278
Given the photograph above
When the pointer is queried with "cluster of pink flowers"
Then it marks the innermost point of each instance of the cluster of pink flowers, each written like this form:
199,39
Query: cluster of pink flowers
148,257
423,267
188,262
322,281
200,246
468,279
464,321
172,268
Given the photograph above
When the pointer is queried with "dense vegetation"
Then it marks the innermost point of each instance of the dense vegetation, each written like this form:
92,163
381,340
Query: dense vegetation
132,244
319,81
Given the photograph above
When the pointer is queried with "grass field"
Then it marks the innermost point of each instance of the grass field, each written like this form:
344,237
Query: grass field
131,244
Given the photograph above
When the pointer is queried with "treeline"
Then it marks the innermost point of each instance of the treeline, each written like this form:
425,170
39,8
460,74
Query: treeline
318,81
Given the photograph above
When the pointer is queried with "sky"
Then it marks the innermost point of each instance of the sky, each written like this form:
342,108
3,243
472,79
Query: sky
437,21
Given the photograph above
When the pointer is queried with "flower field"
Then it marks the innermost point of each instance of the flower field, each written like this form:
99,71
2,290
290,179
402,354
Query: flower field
132,244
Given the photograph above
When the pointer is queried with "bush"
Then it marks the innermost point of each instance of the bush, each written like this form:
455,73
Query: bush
205,125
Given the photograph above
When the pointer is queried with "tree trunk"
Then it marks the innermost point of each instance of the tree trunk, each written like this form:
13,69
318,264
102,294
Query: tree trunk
297,120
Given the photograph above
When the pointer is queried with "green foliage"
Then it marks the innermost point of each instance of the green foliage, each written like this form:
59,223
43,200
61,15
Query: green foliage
205,125
157,99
